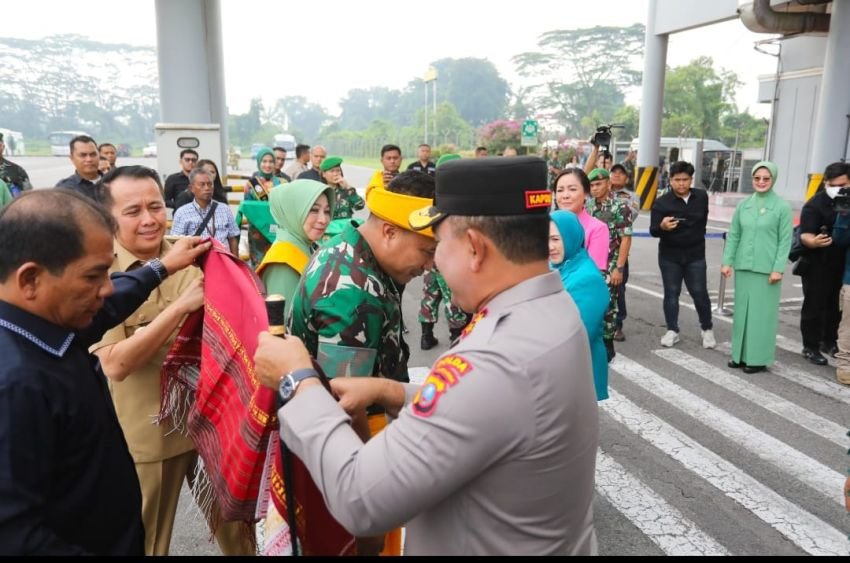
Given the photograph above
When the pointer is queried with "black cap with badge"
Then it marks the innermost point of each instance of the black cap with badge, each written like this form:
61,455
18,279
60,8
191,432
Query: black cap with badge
487,186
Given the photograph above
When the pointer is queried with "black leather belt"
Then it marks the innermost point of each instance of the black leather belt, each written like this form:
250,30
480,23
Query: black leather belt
375,409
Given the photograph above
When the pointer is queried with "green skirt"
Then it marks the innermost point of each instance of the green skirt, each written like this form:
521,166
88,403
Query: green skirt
756,318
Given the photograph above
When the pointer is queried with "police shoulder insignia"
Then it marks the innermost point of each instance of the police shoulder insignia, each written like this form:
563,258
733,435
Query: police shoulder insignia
445,375
474,321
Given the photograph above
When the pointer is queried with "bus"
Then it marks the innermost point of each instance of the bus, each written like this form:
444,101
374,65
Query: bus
60,141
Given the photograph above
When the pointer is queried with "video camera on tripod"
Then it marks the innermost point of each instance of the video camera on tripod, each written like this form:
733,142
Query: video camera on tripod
602,137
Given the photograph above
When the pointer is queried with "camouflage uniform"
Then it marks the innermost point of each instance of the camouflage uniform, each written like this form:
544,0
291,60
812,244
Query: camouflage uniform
13,174
346,202
345,298
617,214
434,291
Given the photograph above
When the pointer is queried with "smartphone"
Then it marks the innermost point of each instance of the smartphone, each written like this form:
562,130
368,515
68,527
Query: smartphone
824,230
680,219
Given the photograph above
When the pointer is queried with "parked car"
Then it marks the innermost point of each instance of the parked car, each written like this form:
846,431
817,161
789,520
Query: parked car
123,149
149,150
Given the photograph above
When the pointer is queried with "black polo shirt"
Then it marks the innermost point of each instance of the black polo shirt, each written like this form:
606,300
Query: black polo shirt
68,485
429,168
818,215
82,186
686,242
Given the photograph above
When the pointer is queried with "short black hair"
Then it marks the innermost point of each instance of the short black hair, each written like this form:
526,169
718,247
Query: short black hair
105,145
578,173
413,183
80,139
32,226
522,239
279,149
135,172
480,149
301,149
387,148
681,167
184,152
836,169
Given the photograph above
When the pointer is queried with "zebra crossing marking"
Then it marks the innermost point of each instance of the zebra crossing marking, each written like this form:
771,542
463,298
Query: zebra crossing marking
808,532
661,522
792,412
785,458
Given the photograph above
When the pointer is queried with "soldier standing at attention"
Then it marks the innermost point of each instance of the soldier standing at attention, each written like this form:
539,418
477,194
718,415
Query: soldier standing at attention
495,452
349,295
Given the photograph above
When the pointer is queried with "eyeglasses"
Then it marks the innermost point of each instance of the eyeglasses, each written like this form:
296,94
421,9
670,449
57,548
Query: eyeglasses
189,159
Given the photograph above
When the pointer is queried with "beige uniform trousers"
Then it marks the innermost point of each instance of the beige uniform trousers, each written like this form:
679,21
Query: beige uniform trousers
161,482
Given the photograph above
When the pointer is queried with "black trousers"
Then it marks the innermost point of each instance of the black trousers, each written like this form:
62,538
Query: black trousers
820,316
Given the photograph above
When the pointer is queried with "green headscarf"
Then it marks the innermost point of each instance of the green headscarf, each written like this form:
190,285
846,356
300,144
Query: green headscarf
771,167
260,154
290,205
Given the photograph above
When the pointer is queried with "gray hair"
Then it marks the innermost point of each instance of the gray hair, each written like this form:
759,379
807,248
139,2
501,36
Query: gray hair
197,172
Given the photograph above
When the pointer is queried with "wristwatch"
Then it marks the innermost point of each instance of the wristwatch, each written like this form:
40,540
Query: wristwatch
621,269
289,383
158,268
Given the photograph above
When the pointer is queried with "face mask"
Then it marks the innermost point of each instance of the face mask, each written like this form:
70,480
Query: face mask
832,191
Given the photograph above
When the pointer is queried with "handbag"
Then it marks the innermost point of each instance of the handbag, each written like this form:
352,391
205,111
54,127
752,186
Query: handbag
797,249
803,265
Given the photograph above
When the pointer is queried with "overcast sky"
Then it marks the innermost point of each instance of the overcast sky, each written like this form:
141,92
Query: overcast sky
341,44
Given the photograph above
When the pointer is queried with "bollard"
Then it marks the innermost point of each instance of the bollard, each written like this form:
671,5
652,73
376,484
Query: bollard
721,309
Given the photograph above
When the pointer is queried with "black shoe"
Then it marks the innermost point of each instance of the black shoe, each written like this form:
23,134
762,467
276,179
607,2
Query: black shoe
754,369
428,340
454,334
829,349
814,357
736,365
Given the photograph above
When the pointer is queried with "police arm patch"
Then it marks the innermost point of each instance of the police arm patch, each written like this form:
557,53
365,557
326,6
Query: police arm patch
445,374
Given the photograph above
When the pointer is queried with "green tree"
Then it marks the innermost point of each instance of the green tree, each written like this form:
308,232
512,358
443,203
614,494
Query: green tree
458,78
695,99
296,114
744,130
579,71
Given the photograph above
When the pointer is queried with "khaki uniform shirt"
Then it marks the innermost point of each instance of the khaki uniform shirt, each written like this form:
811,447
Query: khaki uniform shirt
494,454
137,398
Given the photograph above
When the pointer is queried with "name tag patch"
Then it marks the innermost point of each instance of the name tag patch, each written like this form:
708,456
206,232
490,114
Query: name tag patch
445,375
538,198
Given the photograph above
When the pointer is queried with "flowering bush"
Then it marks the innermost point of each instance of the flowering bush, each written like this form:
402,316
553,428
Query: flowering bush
499,134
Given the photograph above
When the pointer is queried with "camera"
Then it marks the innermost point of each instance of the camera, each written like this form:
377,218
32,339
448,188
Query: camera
841,202
602,137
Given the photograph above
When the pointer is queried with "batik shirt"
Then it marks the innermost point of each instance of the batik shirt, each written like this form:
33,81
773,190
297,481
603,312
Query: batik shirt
346,299
346,202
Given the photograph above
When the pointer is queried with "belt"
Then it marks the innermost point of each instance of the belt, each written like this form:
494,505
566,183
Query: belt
375,409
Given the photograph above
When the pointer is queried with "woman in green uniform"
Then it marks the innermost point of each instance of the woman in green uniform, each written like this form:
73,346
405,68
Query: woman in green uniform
757,248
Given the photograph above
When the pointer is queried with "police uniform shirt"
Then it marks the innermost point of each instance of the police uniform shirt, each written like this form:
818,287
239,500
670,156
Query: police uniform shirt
494,454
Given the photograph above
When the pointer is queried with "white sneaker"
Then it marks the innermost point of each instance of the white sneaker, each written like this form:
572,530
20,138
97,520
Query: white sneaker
708,340
670,338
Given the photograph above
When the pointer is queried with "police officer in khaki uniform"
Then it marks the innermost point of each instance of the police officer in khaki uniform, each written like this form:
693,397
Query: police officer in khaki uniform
132,355
495,453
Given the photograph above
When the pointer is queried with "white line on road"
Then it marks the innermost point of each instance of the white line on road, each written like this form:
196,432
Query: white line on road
805,530
785,458
783,342
660,521
763,398
820,385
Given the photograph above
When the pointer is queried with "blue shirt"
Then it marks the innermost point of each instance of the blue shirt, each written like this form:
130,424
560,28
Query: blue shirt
68,485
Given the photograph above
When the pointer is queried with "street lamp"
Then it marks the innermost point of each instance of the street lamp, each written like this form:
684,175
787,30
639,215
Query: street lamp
430,76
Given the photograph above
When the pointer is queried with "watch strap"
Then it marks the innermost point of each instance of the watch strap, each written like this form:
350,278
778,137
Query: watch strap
158,268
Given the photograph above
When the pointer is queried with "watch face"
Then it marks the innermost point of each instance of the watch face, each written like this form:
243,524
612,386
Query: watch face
287,388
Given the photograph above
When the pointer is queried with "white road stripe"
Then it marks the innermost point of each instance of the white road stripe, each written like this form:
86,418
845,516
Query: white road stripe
787,344
811,472
661,522
820,385
827,429
805,530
